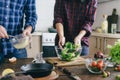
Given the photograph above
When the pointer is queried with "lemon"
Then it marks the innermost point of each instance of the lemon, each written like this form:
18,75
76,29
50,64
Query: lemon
7,71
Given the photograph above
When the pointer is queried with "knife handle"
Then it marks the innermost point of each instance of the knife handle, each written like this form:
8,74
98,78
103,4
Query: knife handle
73,77
66,72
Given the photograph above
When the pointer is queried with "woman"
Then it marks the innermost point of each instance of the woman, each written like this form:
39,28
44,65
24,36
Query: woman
73,20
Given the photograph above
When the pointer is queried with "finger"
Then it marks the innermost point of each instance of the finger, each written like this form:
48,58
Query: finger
77,41
26,33
3,32
63,41
2,35
6,35
59,44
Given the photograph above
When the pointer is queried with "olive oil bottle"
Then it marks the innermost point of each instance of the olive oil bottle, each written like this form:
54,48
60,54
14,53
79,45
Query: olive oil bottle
113,22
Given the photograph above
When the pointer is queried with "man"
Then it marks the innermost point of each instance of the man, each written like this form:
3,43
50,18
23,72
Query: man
73,20
16,17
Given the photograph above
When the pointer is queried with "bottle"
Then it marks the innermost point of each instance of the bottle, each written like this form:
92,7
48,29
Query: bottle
39,58
113,22
104,25
113,28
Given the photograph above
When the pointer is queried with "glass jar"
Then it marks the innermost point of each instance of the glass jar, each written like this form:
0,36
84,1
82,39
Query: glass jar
39,58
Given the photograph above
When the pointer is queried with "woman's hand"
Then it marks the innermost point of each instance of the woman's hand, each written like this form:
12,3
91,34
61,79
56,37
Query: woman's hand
3,32
77,40
61,42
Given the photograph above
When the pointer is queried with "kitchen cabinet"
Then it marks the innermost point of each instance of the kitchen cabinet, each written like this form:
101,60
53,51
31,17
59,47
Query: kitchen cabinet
99,42
109,41
35,46
96,44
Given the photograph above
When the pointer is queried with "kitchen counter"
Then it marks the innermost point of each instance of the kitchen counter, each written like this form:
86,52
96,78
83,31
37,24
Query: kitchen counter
80,70
107,35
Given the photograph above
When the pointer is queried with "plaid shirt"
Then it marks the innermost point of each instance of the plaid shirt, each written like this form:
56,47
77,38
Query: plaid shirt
75,15
12,19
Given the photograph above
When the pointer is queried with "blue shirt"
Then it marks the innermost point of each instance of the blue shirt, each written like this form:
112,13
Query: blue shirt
16,15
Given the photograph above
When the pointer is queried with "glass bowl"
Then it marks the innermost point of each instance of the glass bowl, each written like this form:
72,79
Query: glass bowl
67,54
94,66
20,41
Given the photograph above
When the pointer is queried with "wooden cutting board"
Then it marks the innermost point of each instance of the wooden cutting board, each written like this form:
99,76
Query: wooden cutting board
58,62
52,76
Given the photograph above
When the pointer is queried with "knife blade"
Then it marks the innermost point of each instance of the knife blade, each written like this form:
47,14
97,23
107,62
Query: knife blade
69,74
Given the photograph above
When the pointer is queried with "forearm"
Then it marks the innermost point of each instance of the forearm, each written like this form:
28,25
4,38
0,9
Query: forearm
81,34
60,30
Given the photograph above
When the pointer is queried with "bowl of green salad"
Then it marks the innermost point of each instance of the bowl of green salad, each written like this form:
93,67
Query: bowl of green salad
69,52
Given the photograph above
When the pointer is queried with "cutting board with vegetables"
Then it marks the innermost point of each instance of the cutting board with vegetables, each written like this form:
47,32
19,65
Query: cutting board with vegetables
58,62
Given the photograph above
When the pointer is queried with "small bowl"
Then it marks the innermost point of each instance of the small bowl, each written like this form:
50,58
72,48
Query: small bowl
20,41
94,69
67,56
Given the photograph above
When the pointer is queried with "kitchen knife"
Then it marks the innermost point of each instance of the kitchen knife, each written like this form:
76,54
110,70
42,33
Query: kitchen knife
69,74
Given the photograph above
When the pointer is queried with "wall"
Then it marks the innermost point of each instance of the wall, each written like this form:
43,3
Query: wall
45,14
106,8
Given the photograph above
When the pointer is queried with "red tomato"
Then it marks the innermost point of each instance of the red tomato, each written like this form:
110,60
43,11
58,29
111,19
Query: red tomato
100,64
118,68
94,63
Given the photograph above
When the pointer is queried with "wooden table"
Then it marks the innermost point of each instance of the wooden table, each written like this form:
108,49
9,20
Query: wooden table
80,70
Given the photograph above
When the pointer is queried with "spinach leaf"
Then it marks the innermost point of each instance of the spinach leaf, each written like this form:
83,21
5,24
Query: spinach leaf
115,52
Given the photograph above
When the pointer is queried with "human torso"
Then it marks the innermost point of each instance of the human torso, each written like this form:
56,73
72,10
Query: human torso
74,17
11,18
11,15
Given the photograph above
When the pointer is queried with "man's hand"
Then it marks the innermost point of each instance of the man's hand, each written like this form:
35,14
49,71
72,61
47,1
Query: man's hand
27,31
61,42
3,32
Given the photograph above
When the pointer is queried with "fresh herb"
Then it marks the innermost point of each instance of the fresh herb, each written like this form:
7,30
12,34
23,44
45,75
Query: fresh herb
115,52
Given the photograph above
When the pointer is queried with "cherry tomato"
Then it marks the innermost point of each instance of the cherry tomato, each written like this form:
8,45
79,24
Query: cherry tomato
100,64
94,63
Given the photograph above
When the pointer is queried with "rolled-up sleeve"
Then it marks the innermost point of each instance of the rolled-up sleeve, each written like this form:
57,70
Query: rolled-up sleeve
90,17
30,14
58,12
